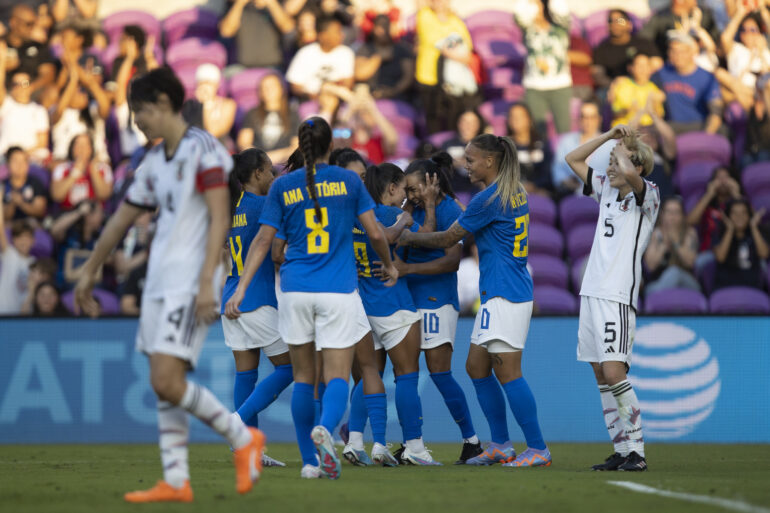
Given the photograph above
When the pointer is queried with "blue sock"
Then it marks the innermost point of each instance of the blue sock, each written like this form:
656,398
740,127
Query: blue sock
242,389
334,404
455,401
302,414
358,408
265,393
408,405
319,403
525,410
492,403
377,407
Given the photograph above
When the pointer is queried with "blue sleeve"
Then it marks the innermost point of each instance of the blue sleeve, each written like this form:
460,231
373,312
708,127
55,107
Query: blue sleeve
713,92
448,215
365,201
415,227
272,212
478,214
388,216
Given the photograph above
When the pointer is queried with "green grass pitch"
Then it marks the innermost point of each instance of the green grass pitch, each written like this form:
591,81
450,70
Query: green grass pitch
93,478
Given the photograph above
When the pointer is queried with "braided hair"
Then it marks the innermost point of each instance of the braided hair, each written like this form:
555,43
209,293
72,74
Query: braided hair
440,164
315,138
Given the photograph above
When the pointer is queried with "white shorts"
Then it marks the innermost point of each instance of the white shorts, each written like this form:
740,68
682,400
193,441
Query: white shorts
333,321
606,331
167,325
438,326
389,331
501,320
257,329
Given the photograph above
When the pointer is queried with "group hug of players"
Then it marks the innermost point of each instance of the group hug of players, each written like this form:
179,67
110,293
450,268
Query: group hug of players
367,263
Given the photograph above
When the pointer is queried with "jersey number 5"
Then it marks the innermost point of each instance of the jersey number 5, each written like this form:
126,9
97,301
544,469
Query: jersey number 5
318,238
363,259
521,242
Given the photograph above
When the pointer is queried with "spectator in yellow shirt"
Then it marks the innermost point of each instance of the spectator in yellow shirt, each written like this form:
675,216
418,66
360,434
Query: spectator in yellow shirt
628,95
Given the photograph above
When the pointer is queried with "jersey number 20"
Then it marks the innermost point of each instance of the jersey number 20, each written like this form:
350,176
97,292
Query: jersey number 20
520,243
318,238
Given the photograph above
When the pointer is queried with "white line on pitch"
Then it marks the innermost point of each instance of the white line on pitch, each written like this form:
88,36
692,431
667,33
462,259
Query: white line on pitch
734,505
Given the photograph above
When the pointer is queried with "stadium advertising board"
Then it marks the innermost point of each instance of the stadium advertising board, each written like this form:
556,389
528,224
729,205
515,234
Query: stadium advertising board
698,379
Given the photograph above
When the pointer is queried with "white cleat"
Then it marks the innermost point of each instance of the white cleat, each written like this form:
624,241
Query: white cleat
310,472
382,456
267,461
420,458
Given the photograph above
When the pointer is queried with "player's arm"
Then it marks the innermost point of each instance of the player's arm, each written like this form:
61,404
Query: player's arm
393,232
258,250
218,203
631,175
439,240
380,244
577,158
449,263
278,252
430,193
112,234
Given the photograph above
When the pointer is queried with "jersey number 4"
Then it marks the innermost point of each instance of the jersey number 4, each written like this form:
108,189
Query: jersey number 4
520,242
318,238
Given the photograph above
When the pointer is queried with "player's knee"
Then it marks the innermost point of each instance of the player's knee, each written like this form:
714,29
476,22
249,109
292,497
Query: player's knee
613,373
168,388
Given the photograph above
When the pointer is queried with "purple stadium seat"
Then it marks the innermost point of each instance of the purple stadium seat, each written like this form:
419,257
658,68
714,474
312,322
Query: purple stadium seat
195,22
553,300
545,240
242,87
762,201
108,55
307,109
756,179
406,147
739,300
699,146
481,20
676,301
693,177
737,122
576,210
114,23
495,112
195,51
503,77
576,273
109,302
549,270
41,174
44,245
706,275
440,138
499,50
579,241
542,209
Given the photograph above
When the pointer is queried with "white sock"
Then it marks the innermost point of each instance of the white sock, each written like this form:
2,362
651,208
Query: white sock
630,414
199,401
415,445
173,427
356,440
612,420
472,440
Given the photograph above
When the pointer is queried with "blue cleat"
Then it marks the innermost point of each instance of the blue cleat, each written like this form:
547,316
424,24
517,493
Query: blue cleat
494,453
356,457
330,462
531,458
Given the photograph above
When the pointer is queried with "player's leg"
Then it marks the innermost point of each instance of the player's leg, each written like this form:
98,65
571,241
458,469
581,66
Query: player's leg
246,376
492,402
367,400
303,361
319,387
612,421
268,390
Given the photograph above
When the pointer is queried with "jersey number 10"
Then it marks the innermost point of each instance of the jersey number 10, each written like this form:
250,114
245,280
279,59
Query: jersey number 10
318,238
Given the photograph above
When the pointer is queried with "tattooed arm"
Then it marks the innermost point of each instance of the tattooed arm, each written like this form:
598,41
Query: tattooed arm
441,240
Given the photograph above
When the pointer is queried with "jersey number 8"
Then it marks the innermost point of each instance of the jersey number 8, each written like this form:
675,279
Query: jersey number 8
318,238
520,242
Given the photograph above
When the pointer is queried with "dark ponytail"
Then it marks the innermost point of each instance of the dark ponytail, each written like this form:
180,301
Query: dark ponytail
315,138
296,161
378,178
440,165
245,165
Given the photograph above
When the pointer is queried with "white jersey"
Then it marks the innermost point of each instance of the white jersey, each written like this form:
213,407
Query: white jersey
614,269
176,187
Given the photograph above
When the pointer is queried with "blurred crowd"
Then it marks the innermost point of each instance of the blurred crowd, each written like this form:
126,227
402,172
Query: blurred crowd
694,79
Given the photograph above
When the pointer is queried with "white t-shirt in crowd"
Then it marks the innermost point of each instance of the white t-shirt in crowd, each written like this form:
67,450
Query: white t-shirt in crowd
14,270
311,66
20,123
743,64
70,125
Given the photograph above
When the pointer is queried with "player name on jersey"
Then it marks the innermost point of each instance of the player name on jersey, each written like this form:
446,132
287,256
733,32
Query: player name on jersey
239,221
323,189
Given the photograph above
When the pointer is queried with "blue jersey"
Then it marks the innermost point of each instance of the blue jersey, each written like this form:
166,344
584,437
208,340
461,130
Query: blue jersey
379,300
502,238
318,257
436,290
261,291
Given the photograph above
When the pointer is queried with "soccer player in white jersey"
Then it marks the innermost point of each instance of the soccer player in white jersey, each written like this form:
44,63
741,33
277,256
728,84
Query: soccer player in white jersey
608,297
185,179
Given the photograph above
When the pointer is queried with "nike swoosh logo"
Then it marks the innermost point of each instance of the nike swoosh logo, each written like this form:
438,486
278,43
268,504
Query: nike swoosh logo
427,339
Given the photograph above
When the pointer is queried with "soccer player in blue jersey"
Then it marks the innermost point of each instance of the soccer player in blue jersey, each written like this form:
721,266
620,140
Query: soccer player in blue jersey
432,278
394,320
316,208
257,328
498,217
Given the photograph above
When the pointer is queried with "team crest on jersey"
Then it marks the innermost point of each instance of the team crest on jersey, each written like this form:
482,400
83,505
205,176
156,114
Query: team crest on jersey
180,170
626,203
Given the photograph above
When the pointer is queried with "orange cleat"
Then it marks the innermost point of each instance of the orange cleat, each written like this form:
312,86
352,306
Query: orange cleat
248,461
162,492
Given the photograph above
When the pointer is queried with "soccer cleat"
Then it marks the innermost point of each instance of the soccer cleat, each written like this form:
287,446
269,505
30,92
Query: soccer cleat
344,433
531,458
267,461
162,492
469,451
248,461
398,454
330,462
356,457
494,453
382,456
633,463
613,462
423,458
310,472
